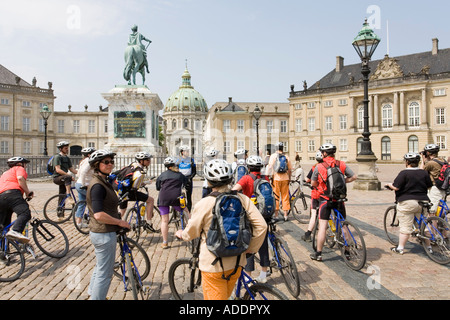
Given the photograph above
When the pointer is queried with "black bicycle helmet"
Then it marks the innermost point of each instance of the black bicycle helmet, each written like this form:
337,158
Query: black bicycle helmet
15,160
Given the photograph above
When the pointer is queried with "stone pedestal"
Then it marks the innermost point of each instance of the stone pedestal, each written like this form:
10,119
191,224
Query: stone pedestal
367,177
133,119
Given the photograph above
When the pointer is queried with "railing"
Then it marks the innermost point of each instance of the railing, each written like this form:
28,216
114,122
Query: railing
37,168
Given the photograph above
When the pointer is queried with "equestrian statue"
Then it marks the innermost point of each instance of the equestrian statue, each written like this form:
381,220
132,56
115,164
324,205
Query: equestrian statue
135,57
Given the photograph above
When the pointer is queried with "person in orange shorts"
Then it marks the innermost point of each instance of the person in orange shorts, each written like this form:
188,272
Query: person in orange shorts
219,175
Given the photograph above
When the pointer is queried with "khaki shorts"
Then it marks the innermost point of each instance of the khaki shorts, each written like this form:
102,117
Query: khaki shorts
406,210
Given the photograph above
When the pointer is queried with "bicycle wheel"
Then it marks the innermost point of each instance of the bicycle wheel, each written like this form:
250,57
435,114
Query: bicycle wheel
435,232
140,258
354,252
301,208
185,280
83,227
133,279
133,217
50,238
329,236
56,210
288,267
263,291
12,261
391,225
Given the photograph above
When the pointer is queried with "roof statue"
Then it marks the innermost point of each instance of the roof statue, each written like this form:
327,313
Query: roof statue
135,57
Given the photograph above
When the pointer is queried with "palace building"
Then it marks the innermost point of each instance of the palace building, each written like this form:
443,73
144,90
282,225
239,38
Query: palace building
408,107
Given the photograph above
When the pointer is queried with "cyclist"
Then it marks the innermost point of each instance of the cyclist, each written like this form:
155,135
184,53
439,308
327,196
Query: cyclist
138,170
169,184
188,168
319,181
219,176
84,176
432,165
209,156
246,185
63,165
13,184
315,197
280,181
410,186
102,202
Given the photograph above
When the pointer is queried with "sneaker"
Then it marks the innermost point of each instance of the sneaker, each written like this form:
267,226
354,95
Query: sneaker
14,235
399,251
165,245
316,256
261,280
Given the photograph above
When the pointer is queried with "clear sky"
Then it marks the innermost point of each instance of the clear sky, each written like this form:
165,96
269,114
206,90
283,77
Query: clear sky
251,50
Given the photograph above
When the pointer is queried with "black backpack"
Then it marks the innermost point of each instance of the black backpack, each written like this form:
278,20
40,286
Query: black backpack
230,232
335,181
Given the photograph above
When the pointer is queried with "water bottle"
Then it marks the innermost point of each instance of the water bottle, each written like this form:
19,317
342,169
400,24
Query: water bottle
332,225
438,210
254,200
182,202
143,209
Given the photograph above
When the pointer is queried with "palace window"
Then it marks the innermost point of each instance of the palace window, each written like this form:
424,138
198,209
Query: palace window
386,116
440,115
413,144
414,114
386,148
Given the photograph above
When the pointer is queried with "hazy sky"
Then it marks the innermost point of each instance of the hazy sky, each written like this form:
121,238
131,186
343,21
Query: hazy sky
251,50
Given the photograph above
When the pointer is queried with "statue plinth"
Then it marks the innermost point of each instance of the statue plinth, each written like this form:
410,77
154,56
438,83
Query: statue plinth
133,124
367,177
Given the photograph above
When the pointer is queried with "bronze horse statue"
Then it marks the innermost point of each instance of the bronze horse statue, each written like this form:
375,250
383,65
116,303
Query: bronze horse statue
135,62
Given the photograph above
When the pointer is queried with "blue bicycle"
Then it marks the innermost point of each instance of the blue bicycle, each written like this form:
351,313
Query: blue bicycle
432,232
346,235
58,209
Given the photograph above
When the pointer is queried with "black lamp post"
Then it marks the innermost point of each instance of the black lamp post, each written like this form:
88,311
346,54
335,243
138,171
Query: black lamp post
45,113
257,115
365,44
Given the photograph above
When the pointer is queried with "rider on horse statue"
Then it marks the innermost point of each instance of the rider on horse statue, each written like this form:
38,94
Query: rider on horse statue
136,39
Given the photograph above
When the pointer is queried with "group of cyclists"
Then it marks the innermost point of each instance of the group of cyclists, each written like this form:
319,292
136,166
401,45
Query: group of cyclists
107,206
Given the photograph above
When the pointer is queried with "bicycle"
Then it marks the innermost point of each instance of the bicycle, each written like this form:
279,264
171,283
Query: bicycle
136,217
282,259
82,227
55,208
185,281
300,202
347,236
47,235
431,231
131,258
442,209
12,260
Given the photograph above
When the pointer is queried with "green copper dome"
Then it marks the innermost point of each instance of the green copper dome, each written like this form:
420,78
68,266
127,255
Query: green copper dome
186,98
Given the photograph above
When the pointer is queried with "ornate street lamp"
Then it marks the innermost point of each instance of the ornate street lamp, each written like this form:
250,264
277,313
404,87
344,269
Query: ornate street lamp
365,44
257,115
45,113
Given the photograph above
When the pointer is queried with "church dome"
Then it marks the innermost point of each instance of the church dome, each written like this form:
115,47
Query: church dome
186,98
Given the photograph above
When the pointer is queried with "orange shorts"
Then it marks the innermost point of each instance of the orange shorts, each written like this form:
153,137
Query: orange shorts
216,288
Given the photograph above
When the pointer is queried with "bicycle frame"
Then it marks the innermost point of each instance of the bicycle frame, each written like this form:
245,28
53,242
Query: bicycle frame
338,220
243,282
125,250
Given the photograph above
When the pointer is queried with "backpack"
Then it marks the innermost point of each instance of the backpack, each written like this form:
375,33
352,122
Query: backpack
442,181
281,164
122,178
50,166
263,191
241,170
230,232
335,182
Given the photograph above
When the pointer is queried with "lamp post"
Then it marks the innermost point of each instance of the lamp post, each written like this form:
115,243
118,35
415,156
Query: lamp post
365,44
257,115
45,113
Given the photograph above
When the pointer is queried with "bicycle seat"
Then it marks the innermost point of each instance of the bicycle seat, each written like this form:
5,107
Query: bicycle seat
122,231
425,204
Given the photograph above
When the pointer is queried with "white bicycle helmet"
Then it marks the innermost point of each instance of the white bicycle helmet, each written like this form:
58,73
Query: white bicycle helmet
184,148
412,157
319,156
255,161
142,156
213,153
240,152
99,155
87,151
431,148
170,162
328,148
15,160
218,170
62,144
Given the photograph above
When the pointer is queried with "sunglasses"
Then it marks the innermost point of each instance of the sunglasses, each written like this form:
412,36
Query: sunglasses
106,162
